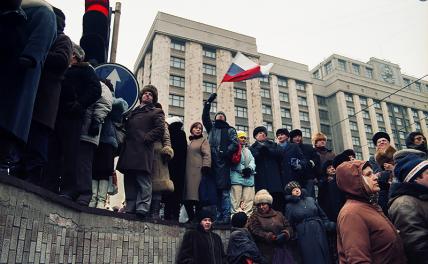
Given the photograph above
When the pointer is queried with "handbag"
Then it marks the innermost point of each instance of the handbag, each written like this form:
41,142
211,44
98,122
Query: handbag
236,156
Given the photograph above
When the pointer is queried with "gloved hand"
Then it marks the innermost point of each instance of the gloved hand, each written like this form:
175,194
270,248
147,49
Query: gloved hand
94,128
205,170
212,98
271,236
295,164
246,173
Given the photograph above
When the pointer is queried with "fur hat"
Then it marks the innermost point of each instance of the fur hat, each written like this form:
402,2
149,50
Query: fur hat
295,133
290,186
174,119
342,157
239,220
241,134
409,168
79,52
317,137
263,196
385,156
380,135
204,213
282,131
258,130
220,113
150,88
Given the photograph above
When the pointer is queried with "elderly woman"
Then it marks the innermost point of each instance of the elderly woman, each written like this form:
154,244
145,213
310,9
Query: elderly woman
310,223
270,230
202,246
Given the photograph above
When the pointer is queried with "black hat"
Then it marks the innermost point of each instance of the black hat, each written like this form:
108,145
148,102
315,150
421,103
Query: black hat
258,130
379,135
283,131
220,113
239,219
150,88
325,166
343,157
204,214
295,132
349,152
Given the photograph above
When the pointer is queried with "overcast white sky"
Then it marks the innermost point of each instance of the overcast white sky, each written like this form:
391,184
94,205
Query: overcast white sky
303,31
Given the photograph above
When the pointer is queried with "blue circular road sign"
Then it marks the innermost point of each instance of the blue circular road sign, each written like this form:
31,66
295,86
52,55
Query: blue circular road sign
124,82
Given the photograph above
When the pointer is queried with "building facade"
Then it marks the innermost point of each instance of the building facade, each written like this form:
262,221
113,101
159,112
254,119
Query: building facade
346,99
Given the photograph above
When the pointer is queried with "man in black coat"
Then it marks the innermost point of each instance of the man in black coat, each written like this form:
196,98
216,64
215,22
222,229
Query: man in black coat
312,162
417,140
223,142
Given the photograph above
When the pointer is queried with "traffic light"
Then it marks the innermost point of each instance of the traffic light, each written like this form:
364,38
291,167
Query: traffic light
96,30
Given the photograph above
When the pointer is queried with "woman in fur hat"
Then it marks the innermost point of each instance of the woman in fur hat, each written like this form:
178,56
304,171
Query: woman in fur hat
270,229
310,222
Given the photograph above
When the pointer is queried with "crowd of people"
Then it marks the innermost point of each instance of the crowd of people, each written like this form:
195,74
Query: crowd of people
288,201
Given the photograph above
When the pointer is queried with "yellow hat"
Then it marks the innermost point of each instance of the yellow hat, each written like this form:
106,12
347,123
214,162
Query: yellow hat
241,134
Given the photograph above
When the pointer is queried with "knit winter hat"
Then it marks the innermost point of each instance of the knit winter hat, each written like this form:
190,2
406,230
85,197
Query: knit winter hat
282,131
258,130
263,196
204,214
383,156
290,186
239,220
150,88
409,168
295,133
79,52
220,113
380,135
241,134
317,137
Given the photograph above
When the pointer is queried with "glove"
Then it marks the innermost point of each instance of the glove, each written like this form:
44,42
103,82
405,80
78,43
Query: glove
263,150
212,98
94,128
205,170
271,236
281,238
295,164
246,173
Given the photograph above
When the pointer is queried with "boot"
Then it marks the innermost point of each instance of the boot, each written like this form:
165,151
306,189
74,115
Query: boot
102,194
155,209
93,202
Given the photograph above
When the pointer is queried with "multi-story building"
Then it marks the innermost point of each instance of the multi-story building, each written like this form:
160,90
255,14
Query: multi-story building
346,99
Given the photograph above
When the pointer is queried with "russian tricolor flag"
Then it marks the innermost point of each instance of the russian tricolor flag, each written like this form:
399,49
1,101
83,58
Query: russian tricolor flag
243,68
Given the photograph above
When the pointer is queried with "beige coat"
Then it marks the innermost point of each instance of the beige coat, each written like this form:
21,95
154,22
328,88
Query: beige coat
198,156
163,153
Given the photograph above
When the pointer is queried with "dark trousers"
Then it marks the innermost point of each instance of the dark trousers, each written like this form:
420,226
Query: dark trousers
172,202
82,186
192,209
63,152
11,149
138,191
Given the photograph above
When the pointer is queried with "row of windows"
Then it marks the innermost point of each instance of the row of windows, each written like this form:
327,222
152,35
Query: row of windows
354,127
418,86
356,68
351,112
177,62
180,46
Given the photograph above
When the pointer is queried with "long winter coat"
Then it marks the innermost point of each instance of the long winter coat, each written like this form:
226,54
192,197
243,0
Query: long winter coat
292,157
247,161
310,225
177,166
262,226
330,198
96,113
198,156
19,86
48,93
223,142
364,234
201,247
310,154
408,210
108,132
163,153
268,158
144,125
242,246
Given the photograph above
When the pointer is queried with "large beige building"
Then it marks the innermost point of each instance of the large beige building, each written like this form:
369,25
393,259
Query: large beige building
346,99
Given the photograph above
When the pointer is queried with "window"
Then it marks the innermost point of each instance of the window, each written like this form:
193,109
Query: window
366,114
351,111
316,74
370,144
353,126
303,116
177,45
321,100
418,126
415,113
369,73
240,93
376,104
396,109
379,117
265,93
209,69
325,129
302,101
266,109
341,65
213,107
209,87
287,126
418,86
264,79
358,155
368,128
363,101
306,132
242,128
300,86
285,113
283,97
355,141
176,63
209,53
382,129
356,69
176,100
328,67
268,125
323,114
398,121
177,81
282,82
406,81
348,98
241,111
402,135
